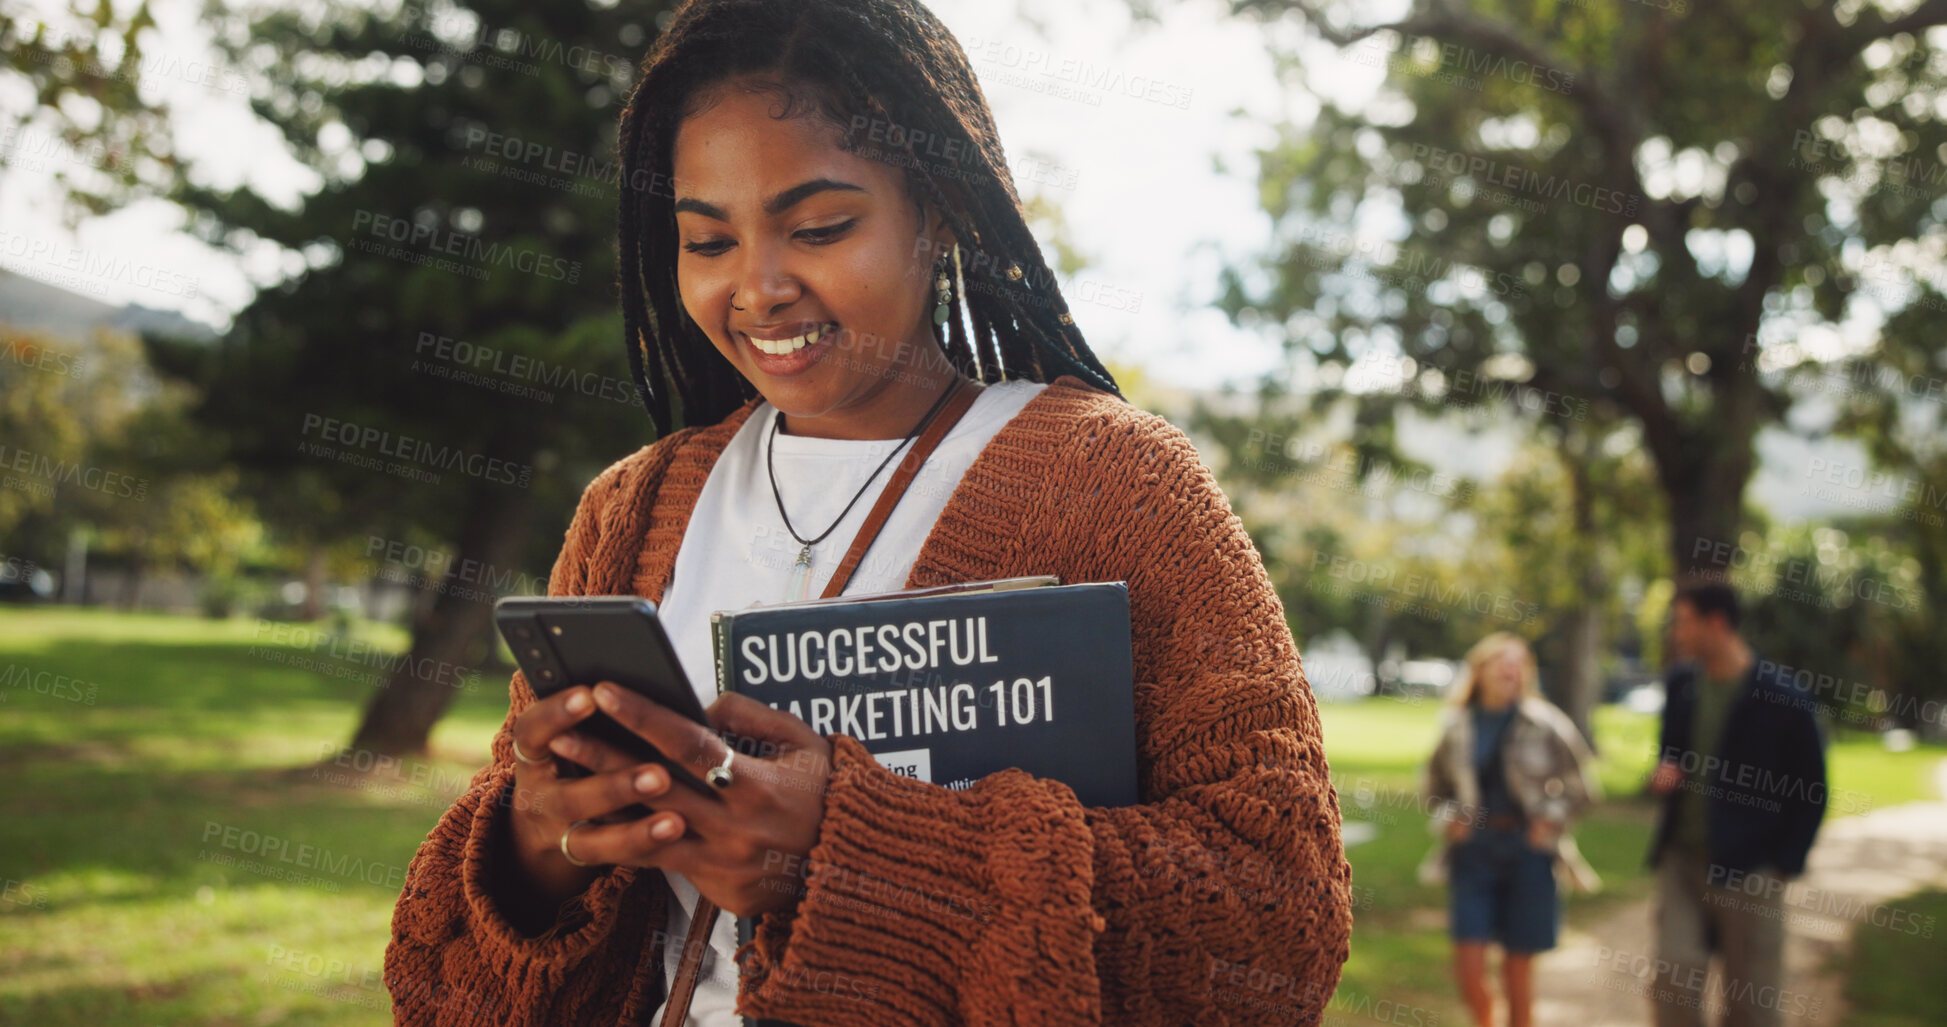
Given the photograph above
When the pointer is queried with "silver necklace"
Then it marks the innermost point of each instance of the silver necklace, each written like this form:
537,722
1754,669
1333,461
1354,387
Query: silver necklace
798,586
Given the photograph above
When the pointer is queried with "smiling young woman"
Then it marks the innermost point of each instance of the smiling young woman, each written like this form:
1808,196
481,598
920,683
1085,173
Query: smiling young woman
827,268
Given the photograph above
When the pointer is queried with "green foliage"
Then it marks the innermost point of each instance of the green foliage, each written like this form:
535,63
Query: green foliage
1539,206
1852,612
83,63
451,278
98,446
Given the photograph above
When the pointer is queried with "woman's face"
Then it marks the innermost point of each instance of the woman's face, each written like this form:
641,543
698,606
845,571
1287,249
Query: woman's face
1500,680
823,250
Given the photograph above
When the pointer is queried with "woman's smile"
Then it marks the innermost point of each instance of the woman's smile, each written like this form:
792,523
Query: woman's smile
783,357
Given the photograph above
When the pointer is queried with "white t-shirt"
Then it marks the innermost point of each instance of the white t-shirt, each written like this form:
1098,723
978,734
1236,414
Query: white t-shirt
736,553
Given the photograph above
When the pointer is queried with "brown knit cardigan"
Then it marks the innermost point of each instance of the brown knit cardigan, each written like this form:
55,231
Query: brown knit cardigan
1223,898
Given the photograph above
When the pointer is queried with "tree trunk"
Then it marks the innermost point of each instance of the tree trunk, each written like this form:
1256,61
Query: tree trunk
1703,482
1706,512
1375,640
132,584
399,718
74,570
1581,688
314,585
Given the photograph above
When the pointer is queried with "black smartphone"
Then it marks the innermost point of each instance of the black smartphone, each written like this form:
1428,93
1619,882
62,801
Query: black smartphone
563,641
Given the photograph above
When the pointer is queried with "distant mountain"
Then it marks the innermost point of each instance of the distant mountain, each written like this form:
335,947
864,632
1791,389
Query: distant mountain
35,305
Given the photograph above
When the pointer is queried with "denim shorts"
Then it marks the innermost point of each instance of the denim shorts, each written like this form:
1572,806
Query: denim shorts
1503,891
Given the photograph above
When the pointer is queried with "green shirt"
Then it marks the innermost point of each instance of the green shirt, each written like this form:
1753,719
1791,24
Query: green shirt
1713,705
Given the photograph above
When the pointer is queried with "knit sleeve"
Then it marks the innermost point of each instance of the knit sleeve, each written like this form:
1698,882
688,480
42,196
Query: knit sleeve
454,957
1223,898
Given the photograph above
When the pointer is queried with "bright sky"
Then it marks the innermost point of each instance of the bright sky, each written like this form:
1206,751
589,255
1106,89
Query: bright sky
1118,125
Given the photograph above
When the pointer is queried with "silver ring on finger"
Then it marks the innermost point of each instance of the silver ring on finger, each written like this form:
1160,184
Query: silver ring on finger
523,757
569,856
720,776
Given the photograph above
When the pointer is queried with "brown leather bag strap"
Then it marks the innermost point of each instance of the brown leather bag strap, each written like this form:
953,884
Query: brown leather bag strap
704,921
690,968
902,476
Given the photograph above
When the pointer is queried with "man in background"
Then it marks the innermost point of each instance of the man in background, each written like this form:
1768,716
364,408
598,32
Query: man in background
1741,770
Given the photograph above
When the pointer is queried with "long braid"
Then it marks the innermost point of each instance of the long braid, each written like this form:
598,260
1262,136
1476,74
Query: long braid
889,60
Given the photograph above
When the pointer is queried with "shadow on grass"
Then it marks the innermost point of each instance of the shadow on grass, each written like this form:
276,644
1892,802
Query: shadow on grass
183,830
172,848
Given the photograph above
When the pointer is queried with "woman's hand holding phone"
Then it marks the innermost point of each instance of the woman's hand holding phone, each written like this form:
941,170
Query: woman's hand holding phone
743,848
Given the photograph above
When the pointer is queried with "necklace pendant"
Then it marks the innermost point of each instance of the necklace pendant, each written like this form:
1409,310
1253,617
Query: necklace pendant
798,586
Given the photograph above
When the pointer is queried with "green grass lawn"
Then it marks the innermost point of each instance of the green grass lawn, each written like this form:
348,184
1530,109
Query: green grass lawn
1893,977
153,846
153,852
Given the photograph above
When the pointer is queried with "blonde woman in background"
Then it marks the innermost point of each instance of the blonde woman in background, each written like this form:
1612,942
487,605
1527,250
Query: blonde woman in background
1508,776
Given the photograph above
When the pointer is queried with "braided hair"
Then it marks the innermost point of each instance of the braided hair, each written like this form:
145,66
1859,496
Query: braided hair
898,86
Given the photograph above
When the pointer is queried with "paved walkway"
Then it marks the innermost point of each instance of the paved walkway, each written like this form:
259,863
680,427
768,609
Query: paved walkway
1858,869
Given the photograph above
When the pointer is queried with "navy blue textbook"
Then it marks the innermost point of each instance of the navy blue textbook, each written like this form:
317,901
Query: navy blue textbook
952,683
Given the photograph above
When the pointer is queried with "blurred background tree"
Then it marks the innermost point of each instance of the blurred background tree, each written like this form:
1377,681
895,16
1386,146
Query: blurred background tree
1650,230
85,83
418,119
1611,210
